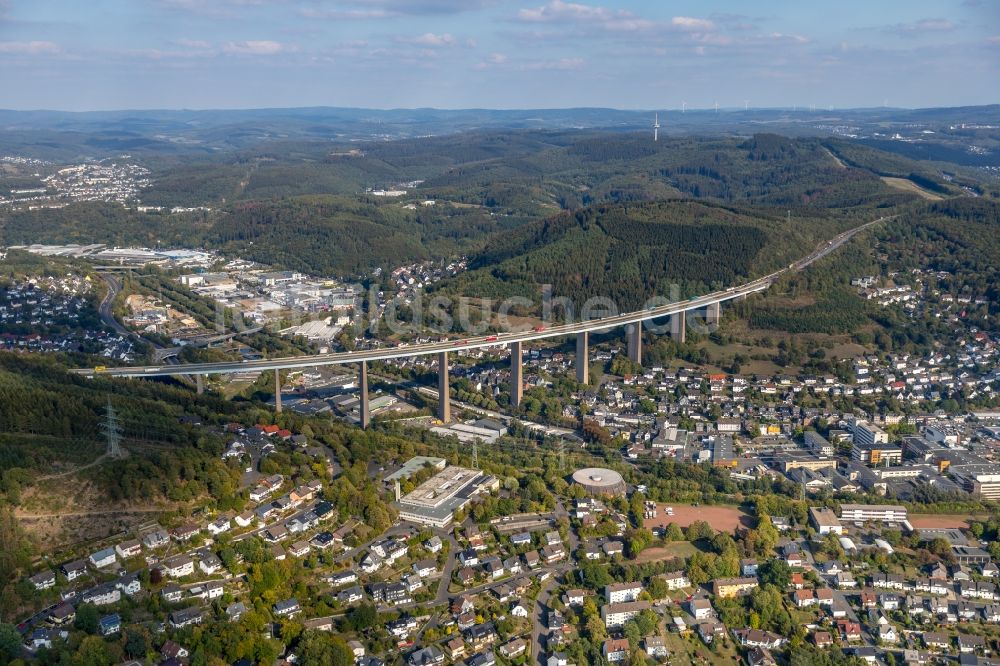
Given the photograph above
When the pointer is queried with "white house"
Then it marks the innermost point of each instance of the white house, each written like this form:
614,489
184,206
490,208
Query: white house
103,558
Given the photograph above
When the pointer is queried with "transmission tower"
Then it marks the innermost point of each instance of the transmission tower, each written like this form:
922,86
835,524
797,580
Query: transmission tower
113,432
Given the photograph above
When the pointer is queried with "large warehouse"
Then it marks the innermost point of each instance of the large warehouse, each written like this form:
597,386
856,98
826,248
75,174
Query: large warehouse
600,481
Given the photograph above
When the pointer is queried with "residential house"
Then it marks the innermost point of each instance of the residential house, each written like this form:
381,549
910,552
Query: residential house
286,607
103,558
110,624
732,587
43,580
128,549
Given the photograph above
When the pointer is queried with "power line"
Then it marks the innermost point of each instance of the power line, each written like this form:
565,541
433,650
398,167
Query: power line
113,432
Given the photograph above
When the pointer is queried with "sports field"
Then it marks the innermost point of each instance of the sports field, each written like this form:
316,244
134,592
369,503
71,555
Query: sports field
930,521
722,518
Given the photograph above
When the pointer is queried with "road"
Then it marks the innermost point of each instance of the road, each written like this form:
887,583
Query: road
538,333
107,316
538,626
160,354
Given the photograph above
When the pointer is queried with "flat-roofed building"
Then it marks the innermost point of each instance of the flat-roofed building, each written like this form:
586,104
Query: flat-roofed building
978,479
414,465
884,513
789,460
875,454
869,433
817,443
825,521
435,501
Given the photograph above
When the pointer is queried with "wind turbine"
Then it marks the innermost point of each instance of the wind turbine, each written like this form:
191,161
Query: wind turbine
656,127
683,106
716,106
746,105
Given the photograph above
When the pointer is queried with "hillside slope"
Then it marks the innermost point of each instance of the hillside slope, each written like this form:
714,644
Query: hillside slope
629,252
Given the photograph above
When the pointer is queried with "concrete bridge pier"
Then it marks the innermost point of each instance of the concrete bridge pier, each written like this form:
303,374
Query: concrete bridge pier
199,384
634,334
516,380
583,357
364,410
712,314
678,326
444,390
277,391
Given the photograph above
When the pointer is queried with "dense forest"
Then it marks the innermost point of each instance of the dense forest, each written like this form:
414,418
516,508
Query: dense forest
304,205
631,252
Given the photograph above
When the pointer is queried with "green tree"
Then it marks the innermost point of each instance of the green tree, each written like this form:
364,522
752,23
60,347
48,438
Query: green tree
775,572
699,529
136,642
674,532
87,618
638,540
319,648
93,651
10,643
363,617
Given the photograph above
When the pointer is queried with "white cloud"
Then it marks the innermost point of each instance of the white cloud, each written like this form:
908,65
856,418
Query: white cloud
594,17
558,11
346,14
492,60
689,23
255,47
930,25
193,43
29,48
558,64
995,39
431,39
794,39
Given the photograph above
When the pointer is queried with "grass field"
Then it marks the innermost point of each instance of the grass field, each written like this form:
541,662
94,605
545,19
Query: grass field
910,186
667,552
690,650
722,518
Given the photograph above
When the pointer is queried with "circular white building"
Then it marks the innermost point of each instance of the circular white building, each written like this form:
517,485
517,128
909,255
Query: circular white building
600,481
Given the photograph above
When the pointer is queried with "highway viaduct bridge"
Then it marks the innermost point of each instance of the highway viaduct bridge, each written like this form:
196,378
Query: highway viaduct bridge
632,321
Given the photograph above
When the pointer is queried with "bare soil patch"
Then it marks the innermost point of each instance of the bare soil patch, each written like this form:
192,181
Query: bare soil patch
722,518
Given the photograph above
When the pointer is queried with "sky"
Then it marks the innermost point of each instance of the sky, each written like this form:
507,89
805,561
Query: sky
78,55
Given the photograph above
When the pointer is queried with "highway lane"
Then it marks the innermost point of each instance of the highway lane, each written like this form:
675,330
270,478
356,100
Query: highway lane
478,342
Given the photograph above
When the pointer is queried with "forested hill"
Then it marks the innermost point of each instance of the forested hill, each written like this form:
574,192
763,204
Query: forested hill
629,252
305,206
